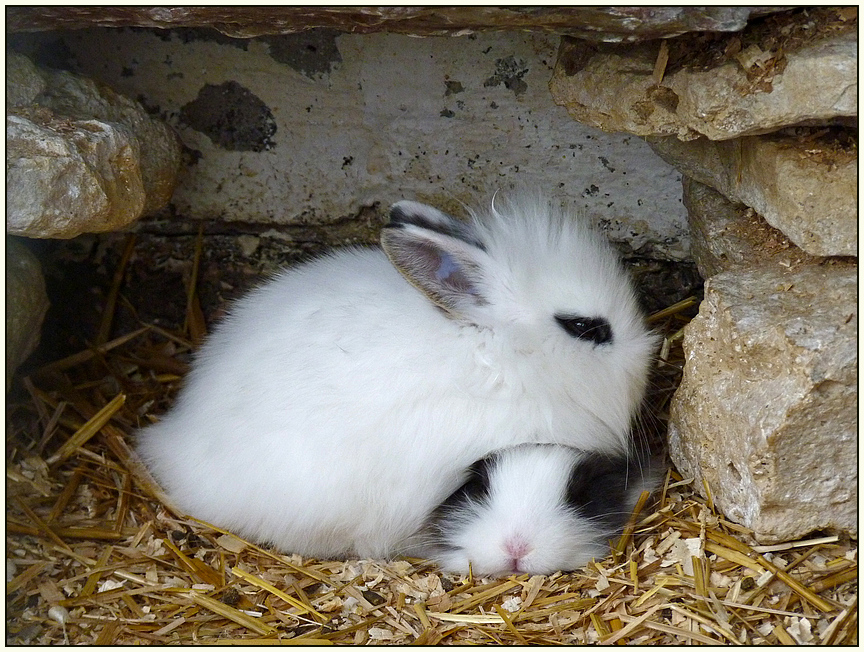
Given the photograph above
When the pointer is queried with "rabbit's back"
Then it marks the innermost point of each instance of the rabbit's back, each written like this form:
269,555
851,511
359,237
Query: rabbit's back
329,388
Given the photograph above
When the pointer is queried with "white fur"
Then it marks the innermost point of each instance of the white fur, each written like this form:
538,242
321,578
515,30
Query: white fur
524,526
337,405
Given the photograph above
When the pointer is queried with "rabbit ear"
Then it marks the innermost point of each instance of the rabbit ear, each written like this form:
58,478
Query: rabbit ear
438,254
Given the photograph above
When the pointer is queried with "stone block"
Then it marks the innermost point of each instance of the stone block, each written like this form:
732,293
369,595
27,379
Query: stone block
725,235
63,179
80,157
593,23
767,411
159,152
26,305
805,188
614,88
23,81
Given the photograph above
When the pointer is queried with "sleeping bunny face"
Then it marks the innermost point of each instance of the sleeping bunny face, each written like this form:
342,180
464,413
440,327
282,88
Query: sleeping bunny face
535,508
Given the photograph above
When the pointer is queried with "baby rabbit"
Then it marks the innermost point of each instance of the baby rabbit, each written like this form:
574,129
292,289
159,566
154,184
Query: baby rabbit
335,406
534,508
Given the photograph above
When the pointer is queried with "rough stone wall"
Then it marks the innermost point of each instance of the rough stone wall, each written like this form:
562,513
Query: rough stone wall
313,127
759,123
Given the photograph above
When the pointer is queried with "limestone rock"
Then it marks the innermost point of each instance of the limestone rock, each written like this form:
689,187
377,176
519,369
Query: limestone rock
80,98
725,235
23,81
615,88
593,23
26,305
80,157
767,411
66,179
808,193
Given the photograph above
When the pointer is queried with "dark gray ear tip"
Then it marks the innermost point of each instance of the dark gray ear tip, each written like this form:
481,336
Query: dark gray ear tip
412,212
430,219
399,214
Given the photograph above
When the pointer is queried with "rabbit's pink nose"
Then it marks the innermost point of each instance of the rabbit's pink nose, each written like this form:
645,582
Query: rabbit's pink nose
516,548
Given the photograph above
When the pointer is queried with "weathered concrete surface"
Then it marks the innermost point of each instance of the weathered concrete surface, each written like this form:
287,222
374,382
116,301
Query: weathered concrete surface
808,192
79,157
767,411
325,126
725,235
26,305
614,88
594,23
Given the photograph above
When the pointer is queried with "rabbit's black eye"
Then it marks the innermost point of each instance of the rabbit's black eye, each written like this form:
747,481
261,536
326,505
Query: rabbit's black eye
591,329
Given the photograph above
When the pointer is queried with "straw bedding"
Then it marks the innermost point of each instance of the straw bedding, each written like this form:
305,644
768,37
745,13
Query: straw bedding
94,556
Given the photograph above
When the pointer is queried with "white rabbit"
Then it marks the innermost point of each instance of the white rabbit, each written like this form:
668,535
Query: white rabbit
339,403
534,508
